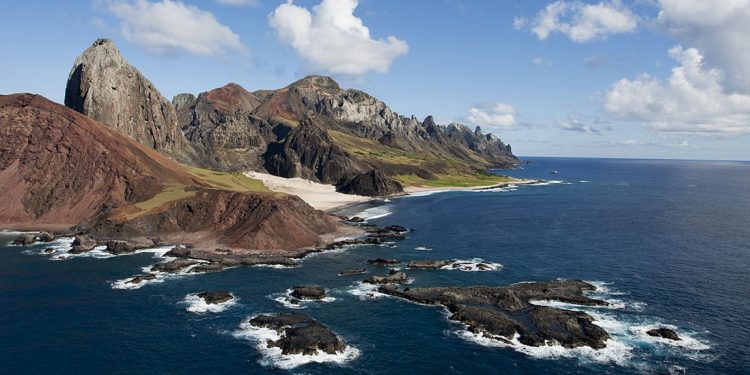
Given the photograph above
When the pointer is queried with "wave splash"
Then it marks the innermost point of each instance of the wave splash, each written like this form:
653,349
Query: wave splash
629,344
198,305
273,357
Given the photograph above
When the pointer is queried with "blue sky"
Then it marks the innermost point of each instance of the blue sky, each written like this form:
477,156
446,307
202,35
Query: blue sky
611,78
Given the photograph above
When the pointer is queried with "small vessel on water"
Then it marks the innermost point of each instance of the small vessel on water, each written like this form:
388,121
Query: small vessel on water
553,172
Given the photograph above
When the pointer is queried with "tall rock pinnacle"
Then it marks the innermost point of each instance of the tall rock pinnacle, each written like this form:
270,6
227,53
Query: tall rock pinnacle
105,87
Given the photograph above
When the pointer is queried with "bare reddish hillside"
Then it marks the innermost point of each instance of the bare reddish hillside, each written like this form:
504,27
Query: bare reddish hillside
60,169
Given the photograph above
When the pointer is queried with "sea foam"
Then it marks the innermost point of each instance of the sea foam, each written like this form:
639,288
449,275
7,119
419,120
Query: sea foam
198,305
273,357
472,265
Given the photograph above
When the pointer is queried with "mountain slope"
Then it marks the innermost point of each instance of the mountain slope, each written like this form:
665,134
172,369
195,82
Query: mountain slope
60,169
106,88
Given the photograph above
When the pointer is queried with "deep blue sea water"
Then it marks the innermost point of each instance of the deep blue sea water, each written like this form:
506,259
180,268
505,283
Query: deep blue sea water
669,240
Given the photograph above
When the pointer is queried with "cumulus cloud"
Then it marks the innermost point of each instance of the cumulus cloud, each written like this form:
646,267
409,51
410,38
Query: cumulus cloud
541,61
691,100
331,38
168,26
238,3
718,28
500,115
579,21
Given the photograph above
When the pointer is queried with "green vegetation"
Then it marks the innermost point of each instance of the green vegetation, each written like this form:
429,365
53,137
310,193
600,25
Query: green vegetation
371,149
228,181
458,180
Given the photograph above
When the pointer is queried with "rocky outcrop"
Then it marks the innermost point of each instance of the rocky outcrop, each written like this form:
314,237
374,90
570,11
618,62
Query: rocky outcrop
373,183
664,333
428,264
384,262
503,312
308,292
82,244
105,87
25,239
299,334
215,298
309,152
353,272
393,277
222,125
173,266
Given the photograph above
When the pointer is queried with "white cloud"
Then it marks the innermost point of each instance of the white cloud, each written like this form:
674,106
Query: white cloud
574,125
167,26
333,39
691,100
238,3
718,28
500,115
579,21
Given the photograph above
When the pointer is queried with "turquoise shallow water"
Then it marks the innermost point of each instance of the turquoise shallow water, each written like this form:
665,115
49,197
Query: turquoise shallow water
667,241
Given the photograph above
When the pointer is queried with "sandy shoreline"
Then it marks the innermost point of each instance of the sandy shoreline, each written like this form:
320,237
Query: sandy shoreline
319,196
431,189
326,198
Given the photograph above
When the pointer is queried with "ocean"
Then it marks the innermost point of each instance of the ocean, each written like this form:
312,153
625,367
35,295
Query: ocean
666,242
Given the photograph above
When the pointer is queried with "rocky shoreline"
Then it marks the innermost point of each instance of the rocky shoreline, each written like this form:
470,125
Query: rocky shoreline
501,313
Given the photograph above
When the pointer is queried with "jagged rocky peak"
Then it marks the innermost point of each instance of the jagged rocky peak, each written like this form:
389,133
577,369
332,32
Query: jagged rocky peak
323,83
184,100
105,87
231,98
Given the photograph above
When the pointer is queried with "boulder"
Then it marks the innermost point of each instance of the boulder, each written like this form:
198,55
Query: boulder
665,333
25,239
45,237
82,244
214,298
308,292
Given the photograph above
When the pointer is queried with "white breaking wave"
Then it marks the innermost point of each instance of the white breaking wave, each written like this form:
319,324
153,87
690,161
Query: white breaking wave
160,276
472,265
627,334
423,248
198,305
273,356
290,302
365,291
375,212
424,193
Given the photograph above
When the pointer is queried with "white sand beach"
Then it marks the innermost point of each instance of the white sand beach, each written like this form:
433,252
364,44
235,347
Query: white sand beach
320,196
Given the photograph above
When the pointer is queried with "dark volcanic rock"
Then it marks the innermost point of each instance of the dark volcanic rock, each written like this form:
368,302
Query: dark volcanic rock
384,262
428,264
299,333
25,239
141,278
353,272
207,268
394,277
373,184
173,265
49,250
308,292
82,244
122,246
501,312
664,333
216,297
45,237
